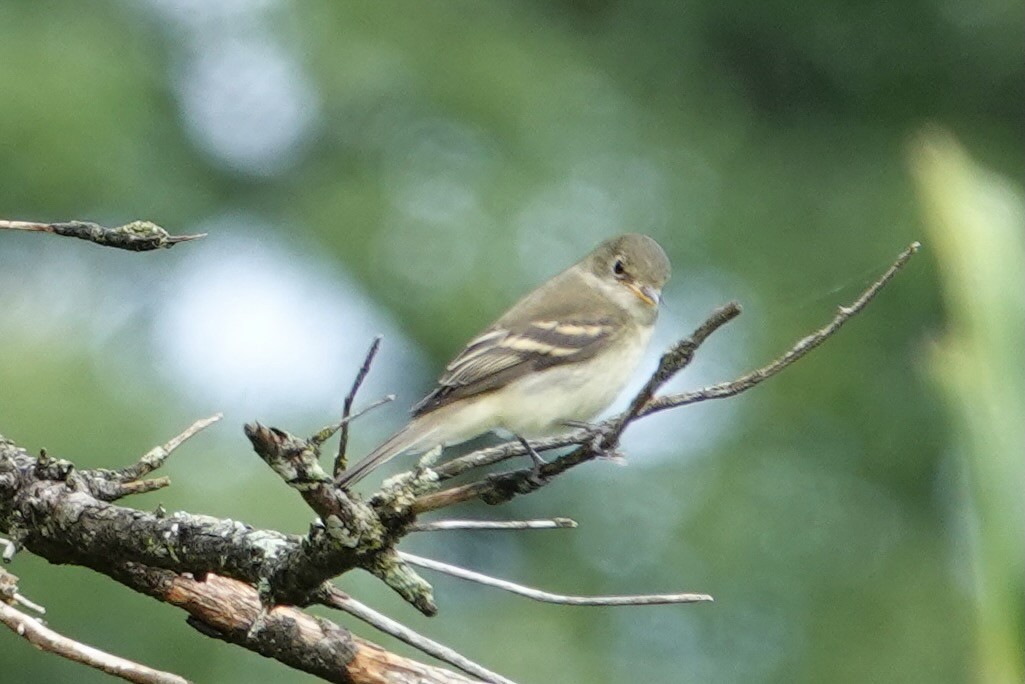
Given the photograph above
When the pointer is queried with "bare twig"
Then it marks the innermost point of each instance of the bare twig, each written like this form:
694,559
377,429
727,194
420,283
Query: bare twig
798,350
367,409
9,592
329,431
141,486
548,597
137,236
335,598
156,456
672,362
48,640
111,485
361,375
513,448
438,525
31,605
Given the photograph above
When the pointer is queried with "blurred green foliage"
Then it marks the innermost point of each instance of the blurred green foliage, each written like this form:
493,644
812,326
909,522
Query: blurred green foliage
449,155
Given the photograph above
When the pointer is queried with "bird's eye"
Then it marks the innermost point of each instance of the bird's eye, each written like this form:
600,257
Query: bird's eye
618,267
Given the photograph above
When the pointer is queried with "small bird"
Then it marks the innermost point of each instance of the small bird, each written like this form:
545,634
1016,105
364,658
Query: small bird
559,356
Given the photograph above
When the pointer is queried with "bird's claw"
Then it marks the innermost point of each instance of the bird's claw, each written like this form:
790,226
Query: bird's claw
535,459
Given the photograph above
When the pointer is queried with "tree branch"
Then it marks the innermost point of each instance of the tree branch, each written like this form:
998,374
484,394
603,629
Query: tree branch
548,597
137,236
361,375
232,611
336,598
797,351
436,525
154,458
46,639
351,533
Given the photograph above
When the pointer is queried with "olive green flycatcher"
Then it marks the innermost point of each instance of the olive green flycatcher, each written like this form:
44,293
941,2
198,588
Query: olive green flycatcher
560,354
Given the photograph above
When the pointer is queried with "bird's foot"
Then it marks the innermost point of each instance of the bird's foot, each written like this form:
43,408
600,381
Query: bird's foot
535,458
596,443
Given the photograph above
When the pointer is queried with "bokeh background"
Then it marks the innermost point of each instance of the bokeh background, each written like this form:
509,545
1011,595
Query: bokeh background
410,168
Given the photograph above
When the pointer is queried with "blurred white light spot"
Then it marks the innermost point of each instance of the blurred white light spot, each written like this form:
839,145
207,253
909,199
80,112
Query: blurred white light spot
50,295
248,102
264,329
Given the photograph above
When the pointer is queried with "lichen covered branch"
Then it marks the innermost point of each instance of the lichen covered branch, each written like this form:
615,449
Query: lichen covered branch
136,236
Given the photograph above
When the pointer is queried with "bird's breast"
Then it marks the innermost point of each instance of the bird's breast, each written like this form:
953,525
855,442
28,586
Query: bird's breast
540,403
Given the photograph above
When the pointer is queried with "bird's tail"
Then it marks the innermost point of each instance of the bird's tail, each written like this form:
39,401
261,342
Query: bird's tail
415,435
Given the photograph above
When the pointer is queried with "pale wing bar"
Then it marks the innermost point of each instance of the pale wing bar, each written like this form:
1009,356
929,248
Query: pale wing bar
499,356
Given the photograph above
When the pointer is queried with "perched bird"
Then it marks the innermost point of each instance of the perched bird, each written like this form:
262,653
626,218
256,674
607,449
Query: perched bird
561,354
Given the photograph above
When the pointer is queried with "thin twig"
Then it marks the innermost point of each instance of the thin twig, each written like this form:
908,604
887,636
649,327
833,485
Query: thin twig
513,448
156,456
329,431
48,640
137,236
366,409
9,592
672,362
143,486
336,598
798,350
361,375
441,525
31,605
548,597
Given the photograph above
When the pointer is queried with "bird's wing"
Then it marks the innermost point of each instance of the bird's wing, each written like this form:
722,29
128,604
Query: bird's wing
500,355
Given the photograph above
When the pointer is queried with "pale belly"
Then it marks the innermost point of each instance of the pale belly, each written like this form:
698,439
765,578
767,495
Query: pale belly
540,404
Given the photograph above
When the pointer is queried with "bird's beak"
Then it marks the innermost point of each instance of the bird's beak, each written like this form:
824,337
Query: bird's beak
645,293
